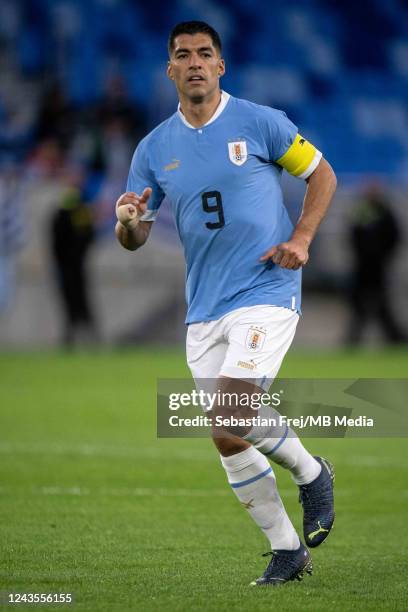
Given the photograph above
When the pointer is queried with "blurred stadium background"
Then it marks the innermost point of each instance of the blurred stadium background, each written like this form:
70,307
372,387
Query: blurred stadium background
83,81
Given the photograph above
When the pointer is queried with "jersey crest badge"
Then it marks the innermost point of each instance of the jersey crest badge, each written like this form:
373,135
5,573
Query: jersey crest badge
238,152
255,339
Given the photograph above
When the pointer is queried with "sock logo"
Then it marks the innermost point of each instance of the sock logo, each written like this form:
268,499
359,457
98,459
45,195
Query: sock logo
249,504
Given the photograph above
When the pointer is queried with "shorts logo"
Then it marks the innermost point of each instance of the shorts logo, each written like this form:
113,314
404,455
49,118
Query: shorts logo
245,364
238,152
255,339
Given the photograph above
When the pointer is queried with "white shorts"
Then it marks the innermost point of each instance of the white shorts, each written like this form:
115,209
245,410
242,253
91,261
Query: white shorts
247,343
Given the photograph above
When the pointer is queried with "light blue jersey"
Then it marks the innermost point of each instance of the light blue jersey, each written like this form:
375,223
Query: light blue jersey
223,184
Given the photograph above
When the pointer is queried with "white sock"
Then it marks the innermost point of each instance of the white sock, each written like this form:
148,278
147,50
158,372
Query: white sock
253,482
289,452
281,445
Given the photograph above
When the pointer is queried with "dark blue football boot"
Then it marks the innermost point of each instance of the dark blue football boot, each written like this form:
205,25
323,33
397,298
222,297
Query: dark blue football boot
318,505
285,565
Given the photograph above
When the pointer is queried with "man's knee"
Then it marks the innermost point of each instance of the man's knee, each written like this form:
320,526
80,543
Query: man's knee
230,445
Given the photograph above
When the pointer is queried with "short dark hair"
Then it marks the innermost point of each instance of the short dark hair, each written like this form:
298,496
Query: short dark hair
194,27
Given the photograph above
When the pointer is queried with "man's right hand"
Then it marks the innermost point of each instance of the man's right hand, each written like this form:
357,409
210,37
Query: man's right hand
130,207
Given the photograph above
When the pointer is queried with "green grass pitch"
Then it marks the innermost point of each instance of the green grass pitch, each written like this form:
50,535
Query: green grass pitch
91,503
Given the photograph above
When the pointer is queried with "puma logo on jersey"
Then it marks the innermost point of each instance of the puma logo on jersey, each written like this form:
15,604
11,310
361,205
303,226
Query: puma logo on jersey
173,166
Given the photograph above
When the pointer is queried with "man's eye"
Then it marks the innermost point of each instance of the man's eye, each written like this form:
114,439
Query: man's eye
182,56
207,54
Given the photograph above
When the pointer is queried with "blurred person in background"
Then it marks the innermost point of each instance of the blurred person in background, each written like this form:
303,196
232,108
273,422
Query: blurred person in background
115,105
374,237
72,235
107,131
12,234
56,118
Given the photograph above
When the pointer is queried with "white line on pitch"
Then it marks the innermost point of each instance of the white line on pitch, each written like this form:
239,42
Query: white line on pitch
77,491
89,450
161,452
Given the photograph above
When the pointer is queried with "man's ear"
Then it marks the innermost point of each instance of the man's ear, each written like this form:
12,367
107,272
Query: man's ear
221,68
170,70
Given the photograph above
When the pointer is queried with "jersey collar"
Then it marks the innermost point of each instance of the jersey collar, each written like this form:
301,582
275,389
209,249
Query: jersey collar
223,103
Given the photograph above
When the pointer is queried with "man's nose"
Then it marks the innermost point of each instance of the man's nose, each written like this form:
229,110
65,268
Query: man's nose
195,60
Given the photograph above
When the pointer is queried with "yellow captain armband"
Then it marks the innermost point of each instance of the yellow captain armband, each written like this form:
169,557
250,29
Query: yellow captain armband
301,158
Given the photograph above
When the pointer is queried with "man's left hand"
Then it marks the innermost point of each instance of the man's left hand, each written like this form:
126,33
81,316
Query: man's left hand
290,255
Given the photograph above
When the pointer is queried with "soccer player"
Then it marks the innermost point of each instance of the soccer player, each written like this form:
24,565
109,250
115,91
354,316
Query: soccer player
219,161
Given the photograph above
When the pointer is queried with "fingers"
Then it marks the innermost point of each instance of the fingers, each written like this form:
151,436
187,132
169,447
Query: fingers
143,200
126,213
269,254
126,198
132,198
145,195
285,261
130,206
277,258
289,255
141,209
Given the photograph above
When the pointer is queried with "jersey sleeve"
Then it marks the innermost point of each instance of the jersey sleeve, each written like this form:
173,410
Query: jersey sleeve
140,177
288,148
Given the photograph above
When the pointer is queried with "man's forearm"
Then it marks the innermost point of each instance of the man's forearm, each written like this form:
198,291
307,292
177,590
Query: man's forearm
319,192
132,239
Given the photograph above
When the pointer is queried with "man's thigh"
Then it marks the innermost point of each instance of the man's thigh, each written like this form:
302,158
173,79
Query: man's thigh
206,349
